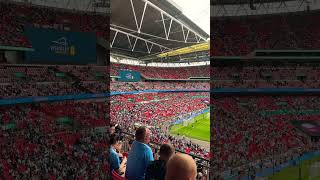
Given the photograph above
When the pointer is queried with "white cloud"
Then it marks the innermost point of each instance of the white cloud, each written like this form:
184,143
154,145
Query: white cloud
196,10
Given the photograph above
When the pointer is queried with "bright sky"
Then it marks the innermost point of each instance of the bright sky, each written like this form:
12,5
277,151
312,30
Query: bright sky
198,11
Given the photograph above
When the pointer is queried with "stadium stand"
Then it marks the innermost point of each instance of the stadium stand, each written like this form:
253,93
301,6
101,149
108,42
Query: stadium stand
32,80
239,36
163,72
52,140
43,139
160,108
258,130
267,76
14,17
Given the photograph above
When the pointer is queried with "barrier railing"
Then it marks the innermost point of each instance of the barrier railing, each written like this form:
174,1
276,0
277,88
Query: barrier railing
201,162
82,96
265,172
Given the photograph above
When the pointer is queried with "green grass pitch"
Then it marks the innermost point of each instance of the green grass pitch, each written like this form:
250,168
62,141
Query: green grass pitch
292,172
200,129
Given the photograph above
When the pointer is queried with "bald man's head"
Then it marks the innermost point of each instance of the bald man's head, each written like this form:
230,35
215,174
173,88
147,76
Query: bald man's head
181,166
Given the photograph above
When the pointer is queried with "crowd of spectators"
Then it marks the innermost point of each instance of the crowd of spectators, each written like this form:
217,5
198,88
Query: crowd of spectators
35,144
266,76
255,132
20,89
239,36
163,72
142,162
14,18
139,86
159,111
85,73
28,80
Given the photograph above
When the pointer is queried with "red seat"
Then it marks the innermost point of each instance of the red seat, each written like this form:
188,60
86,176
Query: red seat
116,176
125,154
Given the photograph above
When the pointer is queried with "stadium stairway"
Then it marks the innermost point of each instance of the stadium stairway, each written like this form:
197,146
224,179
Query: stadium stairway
134,87
76,82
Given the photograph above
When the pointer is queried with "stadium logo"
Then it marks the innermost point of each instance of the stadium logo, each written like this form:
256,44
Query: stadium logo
61,46
129,76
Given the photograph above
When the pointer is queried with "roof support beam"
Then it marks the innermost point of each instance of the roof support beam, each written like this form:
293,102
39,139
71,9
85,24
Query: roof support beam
164,26
169,28
144,10
129,40
154,36
136,39
134,45
135,16
149,49
114,38
186,39
167,33
173,18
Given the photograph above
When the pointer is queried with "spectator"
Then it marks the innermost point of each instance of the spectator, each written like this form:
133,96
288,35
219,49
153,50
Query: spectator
140,155
112,129
114,156
181,166
157,169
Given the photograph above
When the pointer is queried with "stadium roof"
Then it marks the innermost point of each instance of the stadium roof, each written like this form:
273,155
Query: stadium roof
227,8
141,28
220,2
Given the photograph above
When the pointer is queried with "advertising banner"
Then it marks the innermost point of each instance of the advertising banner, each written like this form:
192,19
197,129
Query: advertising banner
57,47
129,76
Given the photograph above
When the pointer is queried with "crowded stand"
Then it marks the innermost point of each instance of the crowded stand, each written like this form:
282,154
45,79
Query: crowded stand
25,81
158,111
257,132
85,73
53,141
10,73
14,17
140,86
239,36
28,80
267,76
20,89
163,72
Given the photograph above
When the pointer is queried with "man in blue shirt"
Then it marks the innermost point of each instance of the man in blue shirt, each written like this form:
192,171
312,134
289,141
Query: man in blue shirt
114,156
140,155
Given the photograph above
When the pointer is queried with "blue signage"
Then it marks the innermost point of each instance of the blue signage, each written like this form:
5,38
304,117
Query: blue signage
129,76
65,47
